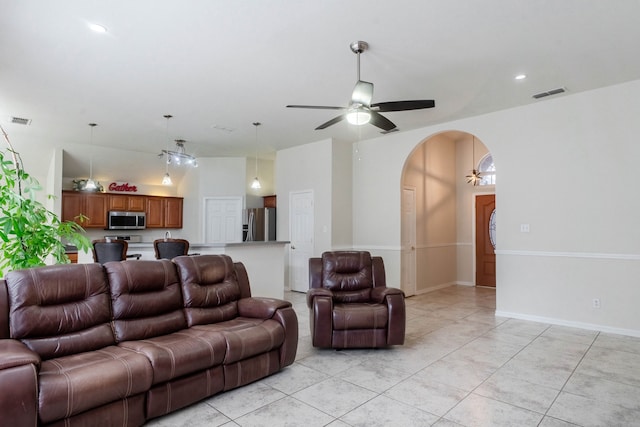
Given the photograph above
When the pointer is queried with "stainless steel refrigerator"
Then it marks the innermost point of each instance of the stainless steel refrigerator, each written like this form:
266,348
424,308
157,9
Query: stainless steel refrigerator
259,224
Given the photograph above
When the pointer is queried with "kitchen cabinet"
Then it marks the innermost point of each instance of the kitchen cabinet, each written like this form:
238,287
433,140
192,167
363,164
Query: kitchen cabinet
127,203
173,212
161,212
164,212
269,201
155,212
92,205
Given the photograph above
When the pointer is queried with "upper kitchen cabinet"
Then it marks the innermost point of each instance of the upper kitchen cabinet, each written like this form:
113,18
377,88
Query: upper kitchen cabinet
127,203
173,212
269,201
92,205
164,212
161,212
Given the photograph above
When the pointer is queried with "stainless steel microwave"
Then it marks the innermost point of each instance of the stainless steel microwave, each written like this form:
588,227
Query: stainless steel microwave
119,220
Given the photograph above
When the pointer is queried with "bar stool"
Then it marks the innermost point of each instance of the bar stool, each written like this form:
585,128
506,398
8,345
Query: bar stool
105,250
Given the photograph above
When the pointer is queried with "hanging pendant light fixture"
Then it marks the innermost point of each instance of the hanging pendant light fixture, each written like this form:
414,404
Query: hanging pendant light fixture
166,179
91,184
475,177
256,183
178,156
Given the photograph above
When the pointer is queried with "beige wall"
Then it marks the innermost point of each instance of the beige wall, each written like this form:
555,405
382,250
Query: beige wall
431,170
465,202
567,167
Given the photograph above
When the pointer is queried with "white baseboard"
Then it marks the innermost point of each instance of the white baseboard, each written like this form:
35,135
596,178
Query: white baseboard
434,288
569,323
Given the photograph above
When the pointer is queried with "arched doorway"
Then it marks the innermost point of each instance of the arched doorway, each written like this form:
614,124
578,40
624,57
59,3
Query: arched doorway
441,251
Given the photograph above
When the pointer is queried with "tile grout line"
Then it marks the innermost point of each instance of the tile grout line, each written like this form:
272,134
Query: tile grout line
569,378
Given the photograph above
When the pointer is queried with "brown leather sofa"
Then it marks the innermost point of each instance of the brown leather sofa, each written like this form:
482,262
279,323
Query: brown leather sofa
119,344
349,303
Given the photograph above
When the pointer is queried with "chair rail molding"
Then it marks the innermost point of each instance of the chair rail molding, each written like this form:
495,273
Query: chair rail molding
592,255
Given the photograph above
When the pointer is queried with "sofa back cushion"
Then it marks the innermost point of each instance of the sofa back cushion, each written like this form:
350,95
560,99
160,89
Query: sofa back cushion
210,288
348,274
146,299
61,309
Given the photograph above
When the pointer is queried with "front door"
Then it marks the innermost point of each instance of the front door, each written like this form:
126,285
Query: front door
485,240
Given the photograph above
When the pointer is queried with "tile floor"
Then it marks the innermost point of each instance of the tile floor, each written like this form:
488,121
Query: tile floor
460,366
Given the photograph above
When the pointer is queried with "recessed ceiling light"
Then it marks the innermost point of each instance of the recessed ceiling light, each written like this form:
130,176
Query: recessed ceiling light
98,28
520,77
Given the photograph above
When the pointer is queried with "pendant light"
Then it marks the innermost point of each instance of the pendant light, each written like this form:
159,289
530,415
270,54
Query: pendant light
256,183
166,179
475,177
91,184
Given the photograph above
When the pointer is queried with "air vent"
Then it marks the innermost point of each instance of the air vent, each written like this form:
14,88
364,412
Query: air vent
549,93
20,121
223,128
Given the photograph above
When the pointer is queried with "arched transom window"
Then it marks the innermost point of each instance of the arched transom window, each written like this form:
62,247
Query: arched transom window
487,170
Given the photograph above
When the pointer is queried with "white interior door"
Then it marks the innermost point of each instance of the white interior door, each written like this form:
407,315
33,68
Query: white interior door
408,271
222,219
301,236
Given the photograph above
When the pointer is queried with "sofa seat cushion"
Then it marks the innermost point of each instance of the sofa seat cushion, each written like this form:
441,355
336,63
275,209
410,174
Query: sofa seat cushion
180,353
72,384
247,337
360,316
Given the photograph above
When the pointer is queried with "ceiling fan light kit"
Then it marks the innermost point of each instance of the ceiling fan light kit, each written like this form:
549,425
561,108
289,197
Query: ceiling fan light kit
358,116
360,110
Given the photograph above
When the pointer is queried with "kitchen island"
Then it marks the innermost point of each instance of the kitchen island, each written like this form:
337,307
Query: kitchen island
264,261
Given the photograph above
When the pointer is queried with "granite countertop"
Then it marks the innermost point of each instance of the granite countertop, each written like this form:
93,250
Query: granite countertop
216,245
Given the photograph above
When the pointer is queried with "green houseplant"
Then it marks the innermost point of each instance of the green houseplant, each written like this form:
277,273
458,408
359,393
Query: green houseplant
29,232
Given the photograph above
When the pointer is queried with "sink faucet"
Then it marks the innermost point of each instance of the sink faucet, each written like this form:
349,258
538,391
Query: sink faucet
167,235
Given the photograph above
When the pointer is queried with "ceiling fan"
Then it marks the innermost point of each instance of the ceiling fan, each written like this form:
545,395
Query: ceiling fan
360,110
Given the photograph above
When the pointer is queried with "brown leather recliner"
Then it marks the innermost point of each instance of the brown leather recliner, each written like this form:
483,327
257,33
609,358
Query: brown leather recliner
349,303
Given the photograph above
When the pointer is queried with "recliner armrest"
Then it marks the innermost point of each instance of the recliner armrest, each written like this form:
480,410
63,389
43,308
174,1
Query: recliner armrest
14,353
261,308
19,371
317,292
379,294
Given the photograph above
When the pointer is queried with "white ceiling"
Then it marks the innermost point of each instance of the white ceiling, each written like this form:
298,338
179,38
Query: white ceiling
217,66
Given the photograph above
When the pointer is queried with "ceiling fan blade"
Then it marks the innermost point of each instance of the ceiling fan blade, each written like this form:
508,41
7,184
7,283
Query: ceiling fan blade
381,121
331,122
317,107
404,105
362,93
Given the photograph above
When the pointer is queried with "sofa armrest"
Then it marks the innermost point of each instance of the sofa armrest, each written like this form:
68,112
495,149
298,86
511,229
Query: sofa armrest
378,295
317,292
261,308
18,367
282,312
14,353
